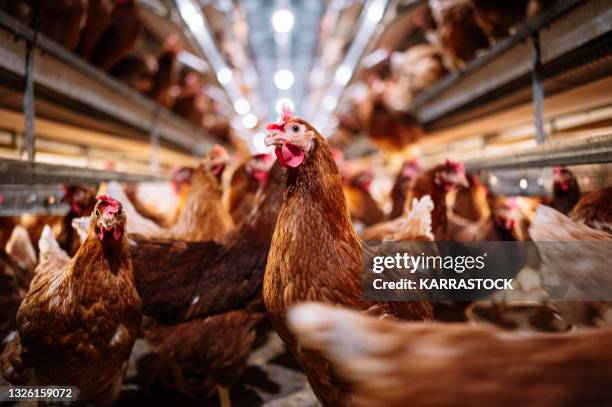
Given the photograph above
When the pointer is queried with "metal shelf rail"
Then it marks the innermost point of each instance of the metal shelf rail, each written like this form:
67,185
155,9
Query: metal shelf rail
592,150
28,173
516,57
62,72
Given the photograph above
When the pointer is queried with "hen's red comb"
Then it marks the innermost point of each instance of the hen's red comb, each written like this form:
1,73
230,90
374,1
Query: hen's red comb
286,114
455,166
111,205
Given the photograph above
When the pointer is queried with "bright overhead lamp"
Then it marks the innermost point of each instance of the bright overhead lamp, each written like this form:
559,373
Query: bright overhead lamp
224,75
282,20
191,15
330,102
242,106
343,75
376,12
283,79
249,121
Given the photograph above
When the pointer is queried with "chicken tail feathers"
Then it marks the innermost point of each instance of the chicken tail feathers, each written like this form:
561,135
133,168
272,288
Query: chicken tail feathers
81,226
20,248
416,225
324,328
47,242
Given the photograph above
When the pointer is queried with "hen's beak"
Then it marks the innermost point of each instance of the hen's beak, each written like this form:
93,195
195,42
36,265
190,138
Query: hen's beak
275,138
109,226
460,179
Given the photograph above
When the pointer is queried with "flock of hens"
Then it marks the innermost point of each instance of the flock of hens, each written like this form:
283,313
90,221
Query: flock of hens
273,247
107,34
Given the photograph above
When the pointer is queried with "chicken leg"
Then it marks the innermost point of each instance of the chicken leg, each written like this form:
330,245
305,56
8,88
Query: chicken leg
224,396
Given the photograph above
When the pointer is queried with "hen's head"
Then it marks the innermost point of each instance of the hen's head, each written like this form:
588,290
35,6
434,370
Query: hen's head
259,166
507,213
215,161
81,199
410,169
293,138
108,219
181,176
563,179
173,44
363,180
450,175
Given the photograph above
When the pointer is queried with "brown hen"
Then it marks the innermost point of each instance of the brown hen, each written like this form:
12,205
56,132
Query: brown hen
120,36
392,364
99,14
205,298
61,20
437,182
595,210
458,32
78,323
315,253
248,178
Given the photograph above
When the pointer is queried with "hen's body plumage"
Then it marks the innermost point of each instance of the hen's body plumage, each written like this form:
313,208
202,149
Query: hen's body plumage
315,255
79,320
391,364
99,14
205,297
595,210
120,36
61,20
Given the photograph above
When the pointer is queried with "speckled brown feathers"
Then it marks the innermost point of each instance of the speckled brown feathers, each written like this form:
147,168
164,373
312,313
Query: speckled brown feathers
203,217
61,20
78,323
393,364
205,297
120,36
595,210
316,256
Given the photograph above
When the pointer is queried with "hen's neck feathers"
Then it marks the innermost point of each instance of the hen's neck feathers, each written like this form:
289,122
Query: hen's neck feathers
269,199
315,189
96,256
203,209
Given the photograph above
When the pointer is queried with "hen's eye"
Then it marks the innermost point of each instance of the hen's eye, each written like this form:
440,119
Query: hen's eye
295,128
97,212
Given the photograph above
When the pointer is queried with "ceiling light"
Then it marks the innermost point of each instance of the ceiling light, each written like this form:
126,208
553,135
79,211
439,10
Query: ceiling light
343,75
224,75
249,121
282,20
330,102
242,106
191,15
523,183
283,79
375,12
280,103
